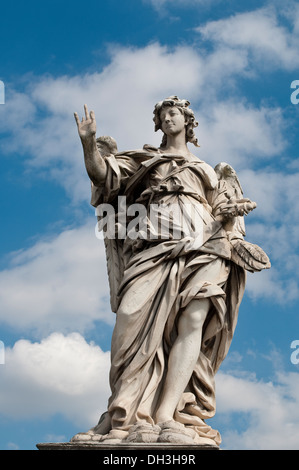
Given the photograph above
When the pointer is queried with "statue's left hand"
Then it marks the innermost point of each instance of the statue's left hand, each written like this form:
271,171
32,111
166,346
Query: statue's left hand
237,207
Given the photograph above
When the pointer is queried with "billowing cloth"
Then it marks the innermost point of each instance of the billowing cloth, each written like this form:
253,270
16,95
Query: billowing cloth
171,262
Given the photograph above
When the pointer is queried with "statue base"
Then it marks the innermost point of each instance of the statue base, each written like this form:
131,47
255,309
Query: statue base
157,447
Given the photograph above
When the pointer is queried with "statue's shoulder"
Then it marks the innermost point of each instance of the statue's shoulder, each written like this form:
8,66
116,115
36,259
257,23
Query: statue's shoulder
148,151
107,146
206,171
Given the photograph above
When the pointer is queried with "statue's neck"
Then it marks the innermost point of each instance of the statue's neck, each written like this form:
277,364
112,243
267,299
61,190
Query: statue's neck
177,145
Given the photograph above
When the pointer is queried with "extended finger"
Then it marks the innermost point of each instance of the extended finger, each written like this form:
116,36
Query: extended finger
86,112
92,116
77,118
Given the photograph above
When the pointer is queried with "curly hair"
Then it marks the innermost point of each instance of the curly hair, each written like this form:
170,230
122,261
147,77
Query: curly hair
183,106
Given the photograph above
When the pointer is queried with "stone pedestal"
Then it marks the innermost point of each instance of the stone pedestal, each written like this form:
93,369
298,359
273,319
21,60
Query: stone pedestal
161,447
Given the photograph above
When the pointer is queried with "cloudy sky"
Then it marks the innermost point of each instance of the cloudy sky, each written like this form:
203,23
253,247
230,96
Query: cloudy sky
235,62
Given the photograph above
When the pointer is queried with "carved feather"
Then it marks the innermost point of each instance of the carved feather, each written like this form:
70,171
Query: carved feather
249,256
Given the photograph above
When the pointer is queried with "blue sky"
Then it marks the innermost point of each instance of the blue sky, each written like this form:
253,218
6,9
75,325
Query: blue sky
235,61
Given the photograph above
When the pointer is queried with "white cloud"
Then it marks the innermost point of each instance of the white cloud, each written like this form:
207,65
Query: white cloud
272,285
60,375
12,446
274,191
57,284
271,410
240,134
260,34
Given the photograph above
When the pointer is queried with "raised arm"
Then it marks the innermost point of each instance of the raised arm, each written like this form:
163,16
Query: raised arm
94,162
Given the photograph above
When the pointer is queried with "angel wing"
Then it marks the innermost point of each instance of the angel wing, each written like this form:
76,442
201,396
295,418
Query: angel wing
106,145
249,256
226,173
245,254
113,247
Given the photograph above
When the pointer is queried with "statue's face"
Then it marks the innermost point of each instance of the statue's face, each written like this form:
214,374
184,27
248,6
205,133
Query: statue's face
172,120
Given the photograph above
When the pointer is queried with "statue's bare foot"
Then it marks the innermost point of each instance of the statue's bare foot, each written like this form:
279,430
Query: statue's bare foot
115,436
176,433
143,432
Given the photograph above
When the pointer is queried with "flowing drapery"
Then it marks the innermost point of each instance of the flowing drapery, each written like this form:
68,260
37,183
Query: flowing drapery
159,275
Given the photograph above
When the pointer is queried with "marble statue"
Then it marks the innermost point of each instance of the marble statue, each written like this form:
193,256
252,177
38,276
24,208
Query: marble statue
177,278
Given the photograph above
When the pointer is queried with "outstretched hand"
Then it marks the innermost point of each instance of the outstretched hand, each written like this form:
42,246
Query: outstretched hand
87,127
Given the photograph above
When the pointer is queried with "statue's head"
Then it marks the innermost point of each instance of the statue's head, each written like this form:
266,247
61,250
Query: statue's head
183,107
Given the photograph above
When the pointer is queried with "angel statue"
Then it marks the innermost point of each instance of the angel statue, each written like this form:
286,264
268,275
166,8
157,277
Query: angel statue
176,280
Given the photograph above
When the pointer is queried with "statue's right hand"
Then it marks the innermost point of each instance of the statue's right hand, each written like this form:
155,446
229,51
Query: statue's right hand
87,127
